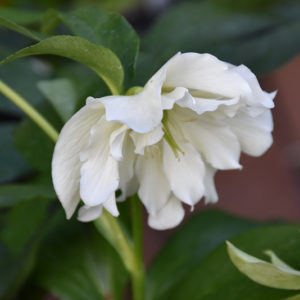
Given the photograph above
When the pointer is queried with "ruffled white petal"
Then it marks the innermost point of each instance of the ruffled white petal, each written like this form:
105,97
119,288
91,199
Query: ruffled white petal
111,206
211,195
99,170
89,213
206,74
66,162
116,142
256,96
169,216
202,105
185,174
141,112
143,140
128,183
254,134
216,142
154,188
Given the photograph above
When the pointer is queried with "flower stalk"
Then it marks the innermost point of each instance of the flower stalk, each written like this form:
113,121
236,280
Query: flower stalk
107,225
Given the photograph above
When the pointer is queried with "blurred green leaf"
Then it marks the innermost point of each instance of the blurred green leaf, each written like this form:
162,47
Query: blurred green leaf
62,94
18,28
214,276
108,29
101,60
34,145
12,194
201,234
13,75
239,38
50,21
77,264
245,4
21,16
21,232
12,165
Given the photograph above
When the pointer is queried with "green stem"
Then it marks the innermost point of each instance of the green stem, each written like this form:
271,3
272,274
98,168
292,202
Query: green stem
109,227
29,110
138,278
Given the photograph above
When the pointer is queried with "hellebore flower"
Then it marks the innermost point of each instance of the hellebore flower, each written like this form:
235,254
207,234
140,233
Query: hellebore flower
193,117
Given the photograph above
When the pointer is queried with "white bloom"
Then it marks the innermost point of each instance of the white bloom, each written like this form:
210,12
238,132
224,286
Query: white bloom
193,117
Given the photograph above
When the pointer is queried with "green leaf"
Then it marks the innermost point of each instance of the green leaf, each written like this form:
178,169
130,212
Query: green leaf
62,94
12,194
77,264
21,232
273,275
18,28
12,165
21,16
109,30
101,60
187,247
239,38
215,277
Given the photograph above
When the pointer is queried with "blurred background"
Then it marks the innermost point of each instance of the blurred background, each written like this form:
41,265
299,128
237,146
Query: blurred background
262,34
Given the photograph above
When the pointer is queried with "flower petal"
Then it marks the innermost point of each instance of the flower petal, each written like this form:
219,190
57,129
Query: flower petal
116,142
66,162
206,74
128,182
169,216
215,141
147,139
256,96
141,112
99,170
89,213
254,134
154,188
111,206
185,174
211,195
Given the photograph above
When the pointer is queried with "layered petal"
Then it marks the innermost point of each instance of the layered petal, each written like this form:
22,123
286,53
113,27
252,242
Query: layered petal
116,141
216,142
256,96
169,216
254,133
141,112
211,195
185,173
128,183
154,189
66,163
143,140
205,75
89,213
99,170
111,206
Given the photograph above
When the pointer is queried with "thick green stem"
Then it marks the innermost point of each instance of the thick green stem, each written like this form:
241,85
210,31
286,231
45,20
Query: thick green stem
138,284
29,110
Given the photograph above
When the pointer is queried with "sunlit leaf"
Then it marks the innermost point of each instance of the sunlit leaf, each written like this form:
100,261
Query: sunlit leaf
101,60
273,275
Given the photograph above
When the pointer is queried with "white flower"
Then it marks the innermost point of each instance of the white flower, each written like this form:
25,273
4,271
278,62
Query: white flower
193,117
